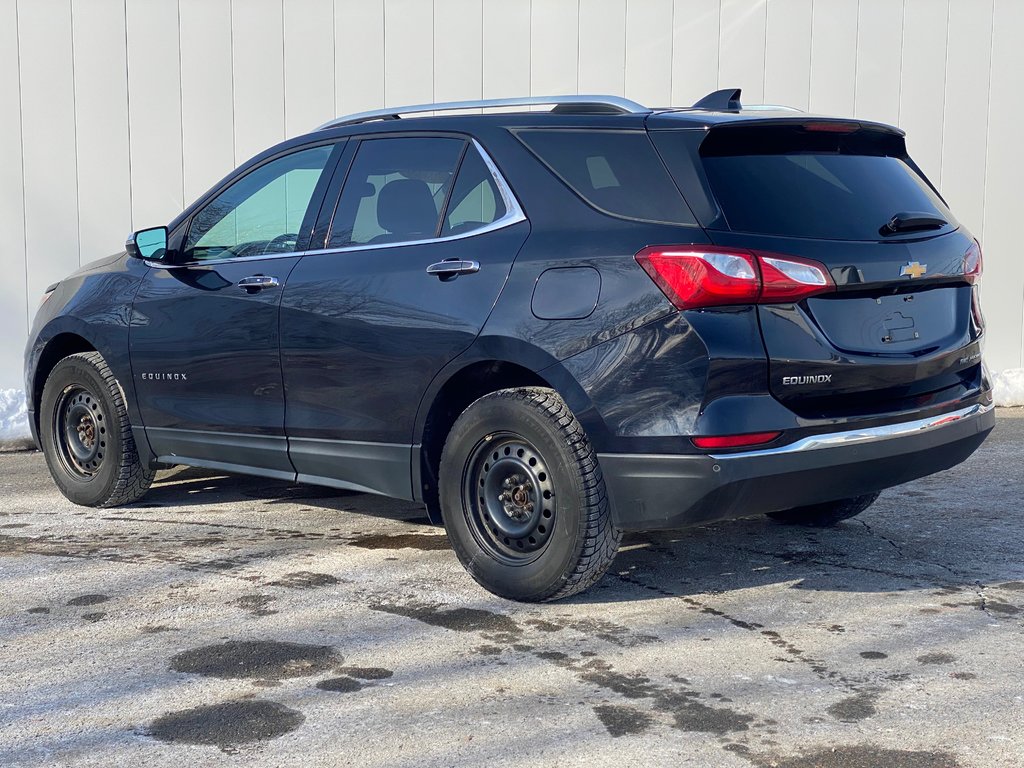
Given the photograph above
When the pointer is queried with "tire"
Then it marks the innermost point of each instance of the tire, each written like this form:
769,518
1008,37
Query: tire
86,436
826,514
533,524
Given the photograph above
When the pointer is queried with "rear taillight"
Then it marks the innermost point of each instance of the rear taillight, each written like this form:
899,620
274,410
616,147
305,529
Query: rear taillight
734,441
973,264
698,276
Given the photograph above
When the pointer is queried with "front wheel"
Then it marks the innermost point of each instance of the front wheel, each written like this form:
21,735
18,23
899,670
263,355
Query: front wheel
86,435
523,498
826,514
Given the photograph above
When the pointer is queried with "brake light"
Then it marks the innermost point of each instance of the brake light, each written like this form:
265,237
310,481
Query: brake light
973,264
832,127
735,441
698,276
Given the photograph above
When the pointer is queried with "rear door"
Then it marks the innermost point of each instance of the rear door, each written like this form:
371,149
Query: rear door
901,329
421,242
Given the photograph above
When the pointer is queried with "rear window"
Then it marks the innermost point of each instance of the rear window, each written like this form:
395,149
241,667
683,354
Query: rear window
617,172
796,183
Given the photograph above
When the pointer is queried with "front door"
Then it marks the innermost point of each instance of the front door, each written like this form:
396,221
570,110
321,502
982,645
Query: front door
422,241
205,342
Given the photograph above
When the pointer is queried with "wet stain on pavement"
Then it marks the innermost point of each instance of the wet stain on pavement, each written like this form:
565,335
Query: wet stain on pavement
458,619
88,600
93,617
873,655
227,725
14,525
1013,586
340,685
422,541
366,673
682,704
862,756
963,675
40,609
623,721
858,707
936,658
305,580
263,659
256,605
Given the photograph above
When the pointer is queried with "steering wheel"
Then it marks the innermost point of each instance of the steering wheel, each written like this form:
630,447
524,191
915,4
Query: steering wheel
278,243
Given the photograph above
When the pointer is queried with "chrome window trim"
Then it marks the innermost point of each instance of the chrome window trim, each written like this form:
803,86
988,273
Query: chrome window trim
513,215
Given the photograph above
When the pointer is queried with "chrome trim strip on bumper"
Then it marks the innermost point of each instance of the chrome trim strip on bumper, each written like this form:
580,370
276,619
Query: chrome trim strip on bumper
870,435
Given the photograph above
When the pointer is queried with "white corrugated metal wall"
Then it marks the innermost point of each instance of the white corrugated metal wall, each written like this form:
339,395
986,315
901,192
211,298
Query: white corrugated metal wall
116,113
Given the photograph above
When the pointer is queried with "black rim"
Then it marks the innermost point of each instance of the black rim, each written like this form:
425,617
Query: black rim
80,432
509,497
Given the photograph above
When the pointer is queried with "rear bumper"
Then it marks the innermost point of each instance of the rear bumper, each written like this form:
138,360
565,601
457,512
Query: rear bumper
651,492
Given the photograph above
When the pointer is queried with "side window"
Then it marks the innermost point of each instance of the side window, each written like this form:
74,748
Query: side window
260,213
395,191
475,200
618,172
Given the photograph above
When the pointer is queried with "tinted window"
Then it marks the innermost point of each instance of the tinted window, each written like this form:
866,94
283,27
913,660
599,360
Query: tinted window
818,186
395,191
475,201
261,213
616,171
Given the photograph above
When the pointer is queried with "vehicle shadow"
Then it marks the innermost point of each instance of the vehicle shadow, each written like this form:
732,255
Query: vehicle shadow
915,537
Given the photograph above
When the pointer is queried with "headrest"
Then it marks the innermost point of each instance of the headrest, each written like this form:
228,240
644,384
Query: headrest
406,207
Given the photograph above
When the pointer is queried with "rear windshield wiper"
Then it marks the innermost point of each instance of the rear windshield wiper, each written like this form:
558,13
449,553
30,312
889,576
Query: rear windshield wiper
910,221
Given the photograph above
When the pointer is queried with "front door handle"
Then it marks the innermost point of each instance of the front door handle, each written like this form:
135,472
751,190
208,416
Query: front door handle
256,283
451,268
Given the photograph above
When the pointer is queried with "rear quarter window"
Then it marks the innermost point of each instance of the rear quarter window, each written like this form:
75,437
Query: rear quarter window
617,172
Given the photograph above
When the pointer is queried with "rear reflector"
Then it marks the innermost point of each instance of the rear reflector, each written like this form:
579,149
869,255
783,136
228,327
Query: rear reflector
698,276
735,441
973,264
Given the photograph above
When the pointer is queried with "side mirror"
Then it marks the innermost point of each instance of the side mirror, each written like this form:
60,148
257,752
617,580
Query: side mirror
148,243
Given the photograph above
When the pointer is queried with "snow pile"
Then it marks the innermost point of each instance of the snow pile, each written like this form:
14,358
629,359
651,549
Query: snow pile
1009,387
14,432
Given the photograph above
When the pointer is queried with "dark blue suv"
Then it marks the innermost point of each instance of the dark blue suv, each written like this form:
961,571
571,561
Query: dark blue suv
547,326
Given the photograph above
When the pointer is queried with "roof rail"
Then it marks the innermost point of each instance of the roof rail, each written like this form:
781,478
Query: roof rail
580,103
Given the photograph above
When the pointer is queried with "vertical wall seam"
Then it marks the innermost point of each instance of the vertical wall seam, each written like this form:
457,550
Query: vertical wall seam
903,53
856,60
284,77
384,52
74,129
810,55
945,91
718,51
128,119
671,51
181,108
21,137
764,54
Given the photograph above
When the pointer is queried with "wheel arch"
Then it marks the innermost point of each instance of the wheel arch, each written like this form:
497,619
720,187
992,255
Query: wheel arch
58,347
465,381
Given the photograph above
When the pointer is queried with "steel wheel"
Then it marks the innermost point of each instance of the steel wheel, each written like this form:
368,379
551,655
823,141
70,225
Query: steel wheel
509,498
79,431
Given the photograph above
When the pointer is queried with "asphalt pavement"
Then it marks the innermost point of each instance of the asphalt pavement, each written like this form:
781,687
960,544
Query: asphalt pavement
241,621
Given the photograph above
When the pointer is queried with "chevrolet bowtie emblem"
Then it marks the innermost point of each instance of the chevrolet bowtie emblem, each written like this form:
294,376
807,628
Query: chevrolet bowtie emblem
912,269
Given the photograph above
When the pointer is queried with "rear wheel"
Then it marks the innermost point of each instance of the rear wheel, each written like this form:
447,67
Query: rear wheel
826,514
523,498
86,436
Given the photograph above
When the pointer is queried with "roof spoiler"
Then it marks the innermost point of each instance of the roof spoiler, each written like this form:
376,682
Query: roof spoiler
725,100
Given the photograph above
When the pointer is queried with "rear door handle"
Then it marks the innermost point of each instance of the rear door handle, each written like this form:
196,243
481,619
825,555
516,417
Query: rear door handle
449,268
256,283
